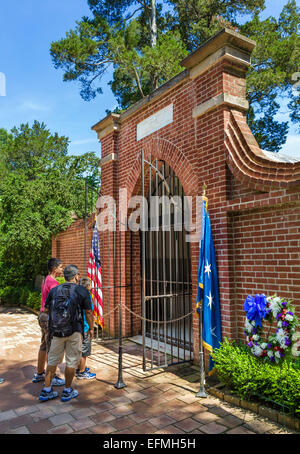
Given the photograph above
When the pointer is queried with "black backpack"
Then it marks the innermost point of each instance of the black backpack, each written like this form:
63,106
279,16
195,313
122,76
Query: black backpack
63,311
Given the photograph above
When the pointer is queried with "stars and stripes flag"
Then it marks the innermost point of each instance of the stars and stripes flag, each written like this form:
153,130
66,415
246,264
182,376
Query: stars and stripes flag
208,288
95,274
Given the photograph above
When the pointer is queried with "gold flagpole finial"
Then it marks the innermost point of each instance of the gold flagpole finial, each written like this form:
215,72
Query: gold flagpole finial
204,189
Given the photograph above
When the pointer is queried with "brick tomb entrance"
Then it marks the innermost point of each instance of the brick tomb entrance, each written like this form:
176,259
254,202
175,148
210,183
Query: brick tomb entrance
194,130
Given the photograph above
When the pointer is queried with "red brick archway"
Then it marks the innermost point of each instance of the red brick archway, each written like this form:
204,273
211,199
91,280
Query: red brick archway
163,149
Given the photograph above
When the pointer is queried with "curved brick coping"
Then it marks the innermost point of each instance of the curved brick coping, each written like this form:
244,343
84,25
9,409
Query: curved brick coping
250,164
274,415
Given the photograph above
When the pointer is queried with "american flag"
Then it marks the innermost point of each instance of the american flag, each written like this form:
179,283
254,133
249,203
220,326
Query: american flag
95,274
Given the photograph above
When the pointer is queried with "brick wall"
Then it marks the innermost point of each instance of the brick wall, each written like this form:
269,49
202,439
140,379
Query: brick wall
265,249
69,245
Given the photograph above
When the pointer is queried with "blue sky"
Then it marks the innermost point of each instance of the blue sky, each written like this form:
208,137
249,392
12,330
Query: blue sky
34,88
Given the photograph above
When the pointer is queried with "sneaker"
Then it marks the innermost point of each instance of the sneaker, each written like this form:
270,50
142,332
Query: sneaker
68,395
85,375
38,377
57,381
47,395
87,369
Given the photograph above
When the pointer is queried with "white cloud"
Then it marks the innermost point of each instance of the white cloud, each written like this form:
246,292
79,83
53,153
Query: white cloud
292,146
84,141
30,105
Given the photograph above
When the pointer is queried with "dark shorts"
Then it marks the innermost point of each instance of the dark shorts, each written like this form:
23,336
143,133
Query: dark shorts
86,345
45,339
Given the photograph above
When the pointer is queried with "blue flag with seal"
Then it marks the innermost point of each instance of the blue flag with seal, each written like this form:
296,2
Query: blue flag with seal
208,288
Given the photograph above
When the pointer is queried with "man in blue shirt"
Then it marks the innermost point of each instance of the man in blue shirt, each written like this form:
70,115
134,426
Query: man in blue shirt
83,372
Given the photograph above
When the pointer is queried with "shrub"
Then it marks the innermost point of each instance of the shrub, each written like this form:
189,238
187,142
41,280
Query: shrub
34,300
10,295
60,280
248,376
21,295
24,294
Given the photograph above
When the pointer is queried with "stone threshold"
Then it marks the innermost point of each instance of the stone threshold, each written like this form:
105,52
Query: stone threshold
281,418
163,348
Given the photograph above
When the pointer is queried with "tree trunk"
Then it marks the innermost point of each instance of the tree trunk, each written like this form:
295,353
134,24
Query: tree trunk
153,26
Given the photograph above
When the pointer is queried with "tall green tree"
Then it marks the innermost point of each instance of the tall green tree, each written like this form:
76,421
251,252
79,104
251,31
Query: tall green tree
274,60
143,41
40,193
141,51
5,137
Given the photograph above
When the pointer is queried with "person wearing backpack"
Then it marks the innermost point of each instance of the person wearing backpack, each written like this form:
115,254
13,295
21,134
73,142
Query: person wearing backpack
55,269
66,305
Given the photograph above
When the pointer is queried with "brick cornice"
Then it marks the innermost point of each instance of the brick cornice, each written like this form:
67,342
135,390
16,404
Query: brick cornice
229,53
109,158
225,37
109,124
219,100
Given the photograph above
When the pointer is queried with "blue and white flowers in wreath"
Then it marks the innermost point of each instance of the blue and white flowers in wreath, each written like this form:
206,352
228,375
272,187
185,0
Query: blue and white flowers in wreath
275,347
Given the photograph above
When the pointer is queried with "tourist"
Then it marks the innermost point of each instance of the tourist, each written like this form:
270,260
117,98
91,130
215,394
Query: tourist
66,305
55,269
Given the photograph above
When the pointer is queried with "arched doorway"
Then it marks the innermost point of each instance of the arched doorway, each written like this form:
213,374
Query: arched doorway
166,268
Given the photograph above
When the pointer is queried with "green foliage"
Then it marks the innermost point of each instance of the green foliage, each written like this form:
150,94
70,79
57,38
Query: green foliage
248,376
275,59
119,35
10,294
24,296
41,191
87,51
60,279
34,300
198,20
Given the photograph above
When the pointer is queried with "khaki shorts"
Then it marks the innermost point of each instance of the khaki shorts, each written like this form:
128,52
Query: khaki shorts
71,346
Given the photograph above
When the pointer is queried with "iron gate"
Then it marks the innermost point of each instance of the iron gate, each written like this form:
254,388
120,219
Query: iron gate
165,264
166,306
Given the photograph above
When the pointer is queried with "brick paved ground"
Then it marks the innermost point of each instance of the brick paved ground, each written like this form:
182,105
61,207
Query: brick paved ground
160,402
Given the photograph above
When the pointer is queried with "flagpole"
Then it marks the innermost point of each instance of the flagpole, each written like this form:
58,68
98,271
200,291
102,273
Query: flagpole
120,383
201,392
94,217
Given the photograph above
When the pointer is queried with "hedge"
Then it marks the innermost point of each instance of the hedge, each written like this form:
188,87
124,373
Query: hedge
24,296
247,376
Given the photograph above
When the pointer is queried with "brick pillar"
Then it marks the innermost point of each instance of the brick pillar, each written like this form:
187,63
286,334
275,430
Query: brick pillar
218,70
107,131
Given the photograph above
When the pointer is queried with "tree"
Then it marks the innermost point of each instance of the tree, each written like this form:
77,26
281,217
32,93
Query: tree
274,60
41,190
269,80
198,20
133,47
4,139
144,42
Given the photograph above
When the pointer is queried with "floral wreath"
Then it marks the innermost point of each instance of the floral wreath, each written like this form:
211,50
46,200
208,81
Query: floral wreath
279,345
